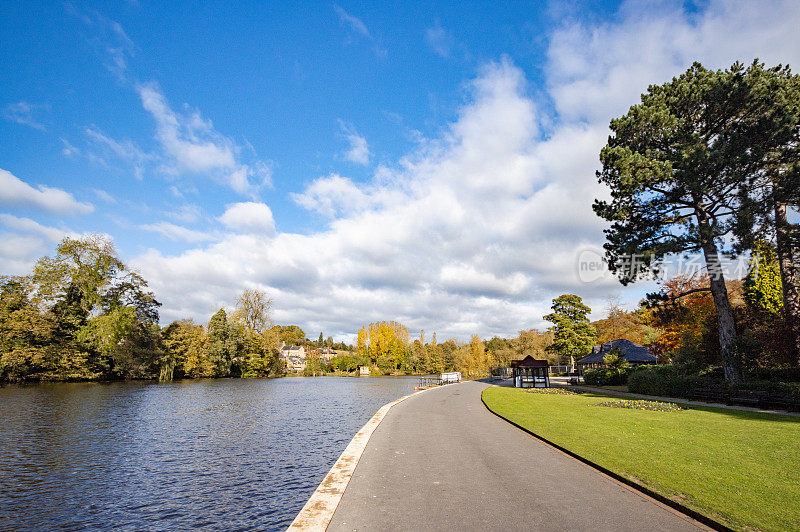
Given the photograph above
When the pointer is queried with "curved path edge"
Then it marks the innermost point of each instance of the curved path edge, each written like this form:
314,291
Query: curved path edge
318,511
709,522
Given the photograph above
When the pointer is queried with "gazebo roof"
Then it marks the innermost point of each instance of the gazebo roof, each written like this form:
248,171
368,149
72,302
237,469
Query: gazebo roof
529,362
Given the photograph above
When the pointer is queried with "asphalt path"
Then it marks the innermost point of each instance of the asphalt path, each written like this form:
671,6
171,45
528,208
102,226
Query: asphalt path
441,461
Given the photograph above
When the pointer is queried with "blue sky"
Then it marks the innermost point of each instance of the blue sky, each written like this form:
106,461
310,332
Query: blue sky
432,163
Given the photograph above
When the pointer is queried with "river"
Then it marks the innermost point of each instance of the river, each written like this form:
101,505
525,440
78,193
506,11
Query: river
227,454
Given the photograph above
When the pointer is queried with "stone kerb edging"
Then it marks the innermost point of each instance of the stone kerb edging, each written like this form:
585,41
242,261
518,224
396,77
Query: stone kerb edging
318,511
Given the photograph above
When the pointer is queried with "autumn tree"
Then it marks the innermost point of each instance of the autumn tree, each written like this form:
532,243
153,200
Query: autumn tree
573,335
384,343
684,310
186,344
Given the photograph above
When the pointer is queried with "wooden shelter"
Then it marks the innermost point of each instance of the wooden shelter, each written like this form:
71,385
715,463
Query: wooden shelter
530,373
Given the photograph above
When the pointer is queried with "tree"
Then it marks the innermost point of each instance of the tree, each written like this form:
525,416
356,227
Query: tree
763,291
385,344
676,166
774,104
224,342
26,334
290,334
186,344
253,309
259,338
615,360
88,265
321,340
573,334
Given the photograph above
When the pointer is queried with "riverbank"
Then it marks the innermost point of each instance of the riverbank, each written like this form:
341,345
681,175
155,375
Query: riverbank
737,467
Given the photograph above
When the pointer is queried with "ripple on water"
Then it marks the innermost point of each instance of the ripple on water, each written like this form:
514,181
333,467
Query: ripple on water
216,454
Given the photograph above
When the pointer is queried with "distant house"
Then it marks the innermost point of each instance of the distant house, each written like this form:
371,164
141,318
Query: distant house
634,354
326,353
295,356
293,350
295,363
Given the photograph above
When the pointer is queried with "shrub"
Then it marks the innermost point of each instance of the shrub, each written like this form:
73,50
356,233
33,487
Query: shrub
607,376
669,381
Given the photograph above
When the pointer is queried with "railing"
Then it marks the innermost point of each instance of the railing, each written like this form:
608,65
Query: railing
436,380
429,381
562,369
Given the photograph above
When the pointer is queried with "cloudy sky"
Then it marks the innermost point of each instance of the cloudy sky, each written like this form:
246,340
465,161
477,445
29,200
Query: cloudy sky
432,165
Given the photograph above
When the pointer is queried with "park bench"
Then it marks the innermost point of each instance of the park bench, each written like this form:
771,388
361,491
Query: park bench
709,395
750,398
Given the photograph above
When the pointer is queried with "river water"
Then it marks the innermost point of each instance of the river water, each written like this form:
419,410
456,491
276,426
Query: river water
227,454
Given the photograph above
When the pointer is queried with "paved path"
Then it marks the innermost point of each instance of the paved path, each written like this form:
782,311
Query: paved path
440,460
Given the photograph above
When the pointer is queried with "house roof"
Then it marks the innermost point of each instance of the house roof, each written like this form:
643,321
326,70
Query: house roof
633,353
292,348
529,362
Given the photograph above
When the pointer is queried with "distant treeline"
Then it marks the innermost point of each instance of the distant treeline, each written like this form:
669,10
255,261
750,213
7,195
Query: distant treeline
84,315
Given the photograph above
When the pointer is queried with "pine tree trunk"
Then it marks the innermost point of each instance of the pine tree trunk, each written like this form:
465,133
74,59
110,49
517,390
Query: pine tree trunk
727,326
790,278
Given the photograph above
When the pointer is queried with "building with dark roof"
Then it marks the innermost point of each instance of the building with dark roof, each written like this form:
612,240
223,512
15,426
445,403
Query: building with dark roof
634,354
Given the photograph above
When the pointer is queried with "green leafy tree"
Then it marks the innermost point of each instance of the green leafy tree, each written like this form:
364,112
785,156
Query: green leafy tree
678,166
88,265
26,334
260,339
762,286
224,343
615,360
573,335
775,93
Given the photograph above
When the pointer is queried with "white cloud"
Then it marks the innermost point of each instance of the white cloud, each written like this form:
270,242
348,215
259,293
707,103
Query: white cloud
354,23
477,230
249,218
28,241
22,113
440,40
192,145
359,150
16,193
176,232
104,196
26,225
187,213
332,196
109,39
69,150
126,150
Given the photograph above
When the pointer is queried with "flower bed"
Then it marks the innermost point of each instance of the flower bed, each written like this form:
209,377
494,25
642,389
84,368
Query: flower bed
551,391
640,404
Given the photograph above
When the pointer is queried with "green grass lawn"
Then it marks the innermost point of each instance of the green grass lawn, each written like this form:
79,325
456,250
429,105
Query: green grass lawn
740,468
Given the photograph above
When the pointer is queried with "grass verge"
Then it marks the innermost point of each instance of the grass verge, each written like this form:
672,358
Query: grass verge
739,468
